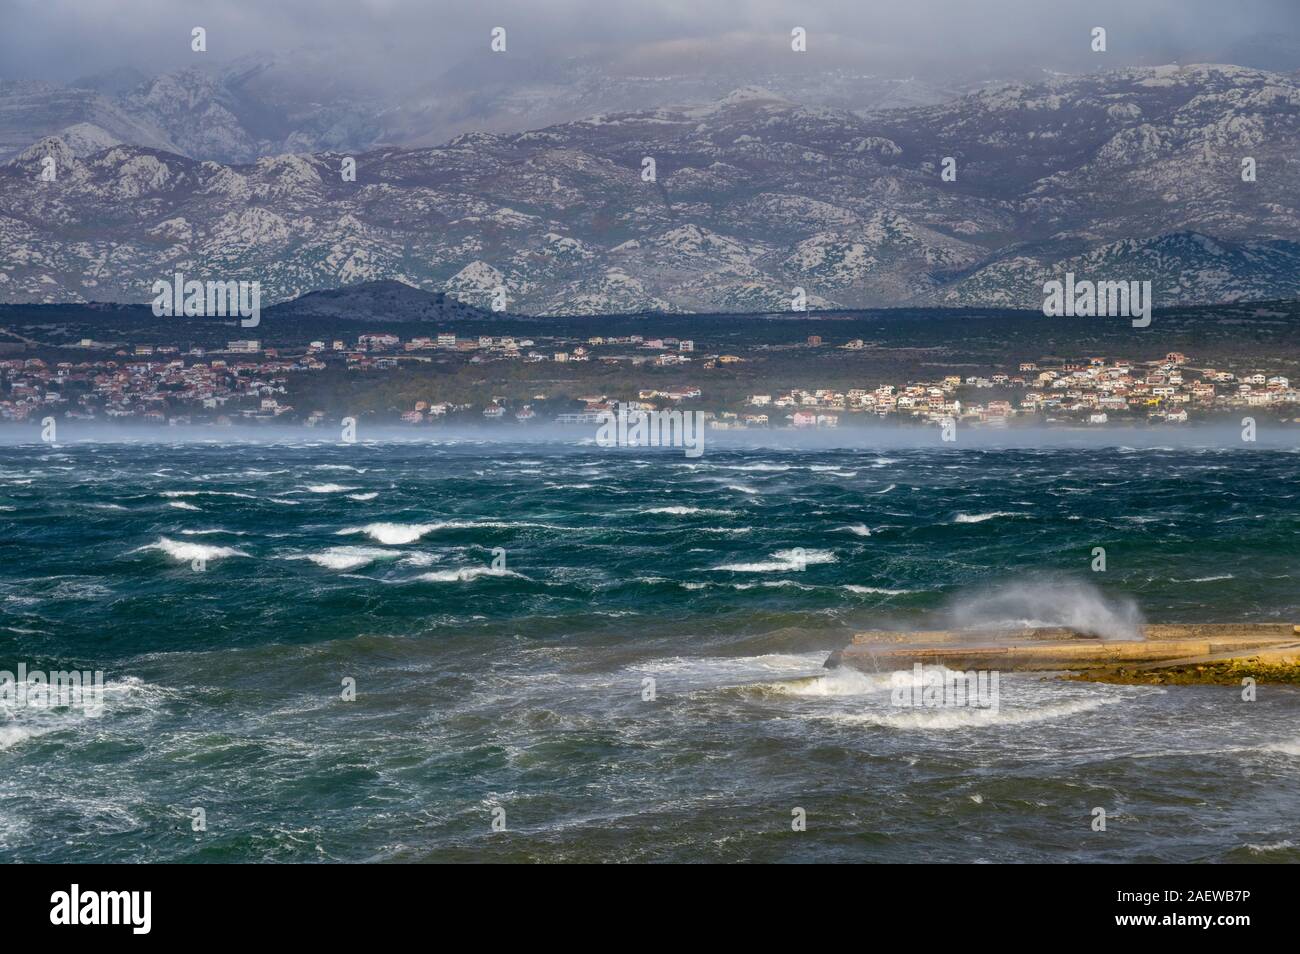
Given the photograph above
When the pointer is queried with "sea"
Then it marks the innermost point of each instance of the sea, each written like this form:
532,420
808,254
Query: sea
476,650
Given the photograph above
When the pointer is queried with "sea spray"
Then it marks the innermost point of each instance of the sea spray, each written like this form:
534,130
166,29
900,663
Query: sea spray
1046,602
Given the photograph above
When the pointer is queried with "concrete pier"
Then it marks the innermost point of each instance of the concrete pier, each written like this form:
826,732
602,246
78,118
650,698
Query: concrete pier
1164,647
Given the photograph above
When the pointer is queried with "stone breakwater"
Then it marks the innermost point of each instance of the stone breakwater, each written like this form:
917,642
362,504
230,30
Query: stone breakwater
1168,653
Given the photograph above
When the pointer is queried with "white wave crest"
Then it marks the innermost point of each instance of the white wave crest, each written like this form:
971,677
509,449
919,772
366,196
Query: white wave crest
184,552
943,719
207,493
465,574
393,534
981,517
350,558
782,561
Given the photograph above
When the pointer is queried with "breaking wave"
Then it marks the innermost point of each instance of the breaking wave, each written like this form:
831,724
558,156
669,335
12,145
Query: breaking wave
185,552
782,561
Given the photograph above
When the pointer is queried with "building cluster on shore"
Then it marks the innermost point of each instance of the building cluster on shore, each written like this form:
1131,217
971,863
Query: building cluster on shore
154,384
1092,390
244,380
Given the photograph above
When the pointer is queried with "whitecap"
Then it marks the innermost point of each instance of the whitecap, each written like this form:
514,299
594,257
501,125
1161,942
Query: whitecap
207,493
981,517
854,588
189,552
782,561
393,534
350,558
465,574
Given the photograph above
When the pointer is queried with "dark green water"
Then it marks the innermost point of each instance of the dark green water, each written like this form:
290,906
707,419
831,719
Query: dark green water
227,591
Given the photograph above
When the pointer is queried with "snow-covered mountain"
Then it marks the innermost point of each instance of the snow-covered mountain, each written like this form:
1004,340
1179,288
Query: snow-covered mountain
1126,175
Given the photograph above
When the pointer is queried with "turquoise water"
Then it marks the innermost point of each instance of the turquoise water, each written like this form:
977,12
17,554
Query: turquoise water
228,591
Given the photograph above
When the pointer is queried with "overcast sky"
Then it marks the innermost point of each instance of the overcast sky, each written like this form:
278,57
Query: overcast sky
409,41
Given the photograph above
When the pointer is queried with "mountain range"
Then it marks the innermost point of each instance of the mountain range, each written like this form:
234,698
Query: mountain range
300,102
1123,175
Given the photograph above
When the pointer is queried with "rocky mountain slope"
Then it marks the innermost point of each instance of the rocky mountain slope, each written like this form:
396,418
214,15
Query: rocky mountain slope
1128,175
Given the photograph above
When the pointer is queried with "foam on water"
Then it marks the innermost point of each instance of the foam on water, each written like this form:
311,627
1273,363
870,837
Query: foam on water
981,517
350,558
208,493
840,681
185,552
782,561
879,590
699,672
946,719
392,534
465,574
11,735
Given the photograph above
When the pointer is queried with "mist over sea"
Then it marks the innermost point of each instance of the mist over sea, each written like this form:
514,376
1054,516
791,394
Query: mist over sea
501,605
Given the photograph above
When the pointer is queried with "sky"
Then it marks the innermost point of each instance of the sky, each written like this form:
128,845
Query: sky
396,43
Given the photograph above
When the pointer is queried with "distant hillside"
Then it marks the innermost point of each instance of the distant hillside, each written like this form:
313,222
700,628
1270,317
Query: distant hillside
378,301
1244,333
1126,175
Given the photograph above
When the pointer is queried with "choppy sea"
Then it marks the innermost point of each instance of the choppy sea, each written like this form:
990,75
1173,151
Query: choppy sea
618,655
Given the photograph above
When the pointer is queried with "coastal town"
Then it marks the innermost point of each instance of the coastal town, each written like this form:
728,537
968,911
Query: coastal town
248,380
